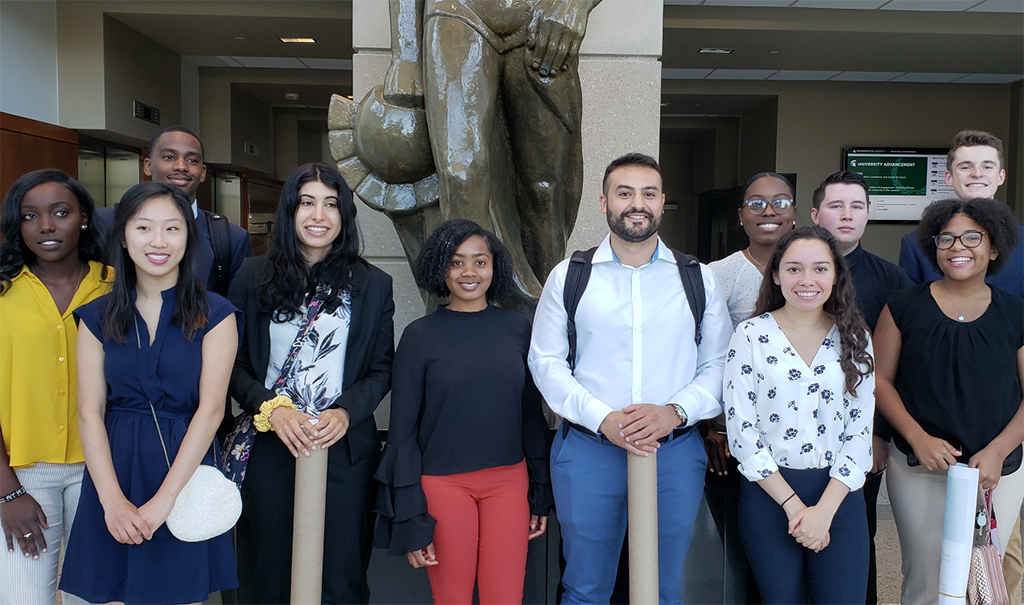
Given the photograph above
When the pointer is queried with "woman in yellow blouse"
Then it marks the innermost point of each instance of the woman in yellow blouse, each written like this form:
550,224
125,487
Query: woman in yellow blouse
48,268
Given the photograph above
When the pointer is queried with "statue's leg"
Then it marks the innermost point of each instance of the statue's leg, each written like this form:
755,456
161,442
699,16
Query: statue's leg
548,156
460,72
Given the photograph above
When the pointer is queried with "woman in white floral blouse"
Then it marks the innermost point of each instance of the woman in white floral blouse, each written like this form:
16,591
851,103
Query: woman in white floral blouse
799,400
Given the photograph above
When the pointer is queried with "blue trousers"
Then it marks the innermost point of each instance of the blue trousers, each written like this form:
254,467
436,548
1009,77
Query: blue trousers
588,476
786,571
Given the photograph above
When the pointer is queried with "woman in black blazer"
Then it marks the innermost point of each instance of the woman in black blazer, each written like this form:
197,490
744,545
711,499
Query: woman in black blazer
339,375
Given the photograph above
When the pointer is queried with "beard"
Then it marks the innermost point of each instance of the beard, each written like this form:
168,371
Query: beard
634,234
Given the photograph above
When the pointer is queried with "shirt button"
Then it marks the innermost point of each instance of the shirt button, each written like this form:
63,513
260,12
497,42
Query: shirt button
61,391
59,326
60,359
61,427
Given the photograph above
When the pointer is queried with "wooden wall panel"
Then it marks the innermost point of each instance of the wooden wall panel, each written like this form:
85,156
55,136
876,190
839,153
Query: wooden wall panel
27,145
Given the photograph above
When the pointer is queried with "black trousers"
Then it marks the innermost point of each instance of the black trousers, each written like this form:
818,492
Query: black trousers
264,531
786,571
871,488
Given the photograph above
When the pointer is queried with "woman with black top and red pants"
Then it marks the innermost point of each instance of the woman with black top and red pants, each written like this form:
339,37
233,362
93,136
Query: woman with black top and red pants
464,472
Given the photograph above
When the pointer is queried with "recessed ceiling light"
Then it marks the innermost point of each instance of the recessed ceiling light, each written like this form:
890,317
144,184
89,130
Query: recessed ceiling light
774,52
717,51
664,104
291,96
299,40
239,38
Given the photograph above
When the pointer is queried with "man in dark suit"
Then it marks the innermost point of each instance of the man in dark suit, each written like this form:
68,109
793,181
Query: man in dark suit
974,169
176,158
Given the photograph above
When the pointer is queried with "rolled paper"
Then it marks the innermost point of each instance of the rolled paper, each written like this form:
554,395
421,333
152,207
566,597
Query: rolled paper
958,533
642,487
308,527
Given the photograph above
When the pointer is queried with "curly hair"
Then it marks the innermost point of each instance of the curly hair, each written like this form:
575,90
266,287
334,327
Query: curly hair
14,253
291,280
119,316
994,217
841,306
436,256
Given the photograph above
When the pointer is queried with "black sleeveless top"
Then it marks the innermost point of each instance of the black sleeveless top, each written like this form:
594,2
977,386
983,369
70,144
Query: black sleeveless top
959,379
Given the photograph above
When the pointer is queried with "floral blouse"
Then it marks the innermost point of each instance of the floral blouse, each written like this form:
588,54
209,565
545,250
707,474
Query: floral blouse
315,380
781,412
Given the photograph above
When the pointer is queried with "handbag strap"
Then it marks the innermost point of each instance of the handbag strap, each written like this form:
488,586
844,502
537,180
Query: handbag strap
159,433
307,322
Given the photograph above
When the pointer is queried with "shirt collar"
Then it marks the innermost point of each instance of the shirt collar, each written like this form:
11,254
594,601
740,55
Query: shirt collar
605,254
195,208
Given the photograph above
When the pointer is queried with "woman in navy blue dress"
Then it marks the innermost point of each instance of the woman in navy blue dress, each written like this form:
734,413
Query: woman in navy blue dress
156,338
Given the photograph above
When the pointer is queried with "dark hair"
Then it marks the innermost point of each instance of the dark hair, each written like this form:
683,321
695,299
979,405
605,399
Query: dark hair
774,175
190,312
843,177
290,281
14,254
436,256
630,159
841,306
974,138
175,128
994,217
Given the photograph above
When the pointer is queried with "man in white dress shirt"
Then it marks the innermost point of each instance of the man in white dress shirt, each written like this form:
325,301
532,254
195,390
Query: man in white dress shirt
640,385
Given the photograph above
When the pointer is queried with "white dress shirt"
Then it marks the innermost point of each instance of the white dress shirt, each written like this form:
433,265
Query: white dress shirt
781,412
740,281
635,341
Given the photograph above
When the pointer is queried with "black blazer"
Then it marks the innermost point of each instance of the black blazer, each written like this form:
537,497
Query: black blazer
368,357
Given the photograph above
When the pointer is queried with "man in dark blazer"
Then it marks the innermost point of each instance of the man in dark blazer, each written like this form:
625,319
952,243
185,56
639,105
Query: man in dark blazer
974,169
176,158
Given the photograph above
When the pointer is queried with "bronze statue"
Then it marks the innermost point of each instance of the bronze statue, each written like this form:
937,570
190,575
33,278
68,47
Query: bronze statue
496,83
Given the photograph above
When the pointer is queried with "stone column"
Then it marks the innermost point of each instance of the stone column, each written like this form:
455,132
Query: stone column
620,73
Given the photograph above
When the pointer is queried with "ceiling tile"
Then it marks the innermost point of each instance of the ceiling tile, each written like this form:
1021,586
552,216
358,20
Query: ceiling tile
989,79
930,5
271,62
740,74
999,6
866,76
338,64
230,62
927,77
685,74
853,4
757,3
802,74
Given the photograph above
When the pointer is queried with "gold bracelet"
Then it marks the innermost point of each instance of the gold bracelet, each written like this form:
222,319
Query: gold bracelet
262,420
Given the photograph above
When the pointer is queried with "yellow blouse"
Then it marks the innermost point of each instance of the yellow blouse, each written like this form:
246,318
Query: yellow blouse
38,375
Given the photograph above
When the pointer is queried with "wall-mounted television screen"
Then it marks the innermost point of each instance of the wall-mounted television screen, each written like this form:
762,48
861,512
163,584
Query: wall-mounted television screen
901,182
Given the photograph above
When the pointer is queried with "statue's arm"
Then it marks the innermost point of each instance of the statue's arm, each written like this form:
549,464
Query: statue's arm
403,84
555,34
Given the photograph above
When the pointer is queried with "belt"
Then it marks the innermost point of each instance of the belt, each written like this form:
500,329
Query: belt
566,425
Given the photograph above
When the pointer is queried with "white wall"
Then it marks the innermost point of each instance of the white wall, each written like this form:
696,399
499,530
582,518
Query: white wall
28,59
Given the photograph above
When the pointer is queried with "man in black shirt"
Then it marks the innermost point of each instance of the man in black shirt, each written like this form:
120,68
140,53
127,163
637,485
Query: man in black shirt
840,204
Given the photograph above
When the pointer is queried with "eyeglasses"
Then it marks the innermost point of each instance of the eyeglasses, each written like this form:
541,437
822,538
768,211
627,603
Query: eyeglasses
759,206
970,239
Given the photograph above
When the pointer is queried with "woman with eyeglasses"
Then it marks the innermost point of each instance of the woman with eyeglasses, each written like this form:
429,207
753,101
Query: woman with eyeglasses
949,365
768,212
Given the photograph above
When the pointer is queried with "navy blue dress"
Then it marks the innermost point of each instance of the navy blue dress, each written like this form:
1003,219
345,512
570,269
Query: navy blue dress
164,569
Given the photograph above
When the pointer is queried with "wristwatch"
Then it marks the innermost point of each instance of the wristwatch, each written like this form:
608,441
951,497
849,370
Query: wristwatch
681,413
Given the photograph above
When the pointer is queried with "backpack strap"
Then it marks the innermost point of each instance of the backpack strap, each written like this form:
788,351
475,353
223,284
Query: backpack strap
693,284
220,239
575,284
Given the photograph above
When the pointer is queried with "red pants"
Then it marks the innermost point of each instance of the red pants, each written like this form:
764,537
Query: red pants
482,531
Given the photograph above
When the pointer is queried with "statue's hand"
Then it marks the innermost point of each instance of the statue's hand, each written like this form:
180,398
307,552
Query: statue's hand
555,34
403,84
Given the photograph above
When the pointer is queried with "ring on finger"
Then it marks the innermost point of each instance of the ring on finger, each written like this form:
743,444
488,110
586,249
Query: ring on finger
27,536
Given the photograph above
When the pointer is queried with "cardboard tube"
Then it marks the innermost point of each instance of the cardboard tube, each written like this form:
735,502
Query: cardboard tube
643,528
308,534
